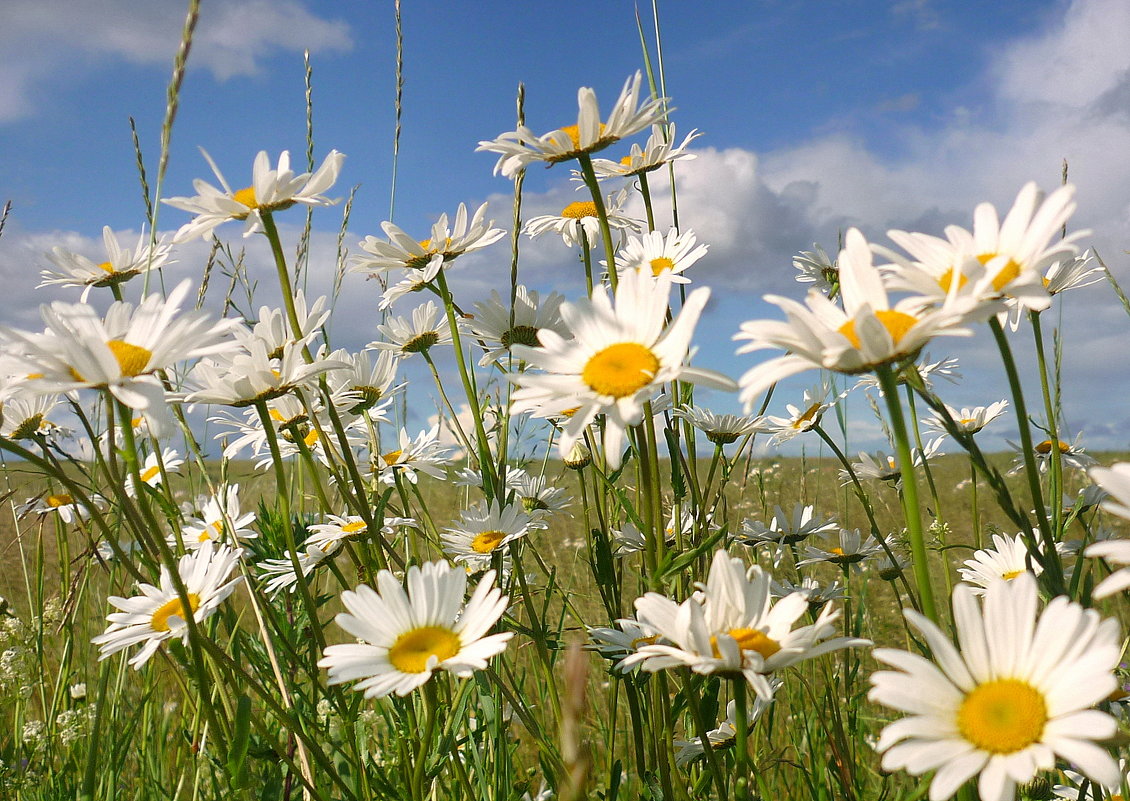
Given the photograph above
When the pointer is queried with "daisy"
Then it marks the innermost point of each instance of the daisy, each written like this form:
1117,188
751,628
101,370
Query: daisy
721,429
814,403
1116,552
483,529
658,151
579,221
219,520
540,499
522,147
496,321
814,267
1116,481
280,573
687,751
851,548
328,536
274,329
24,416
150,470
618,359
366,385
866,333
817,594
158,614
968,420
121,263
426,329
121,352
407,636
1073,273
1005,561
1071,454
653,254
734,629
270,191
626,638
1076,792
444,245
424,454
65,506
1013,696
787,528
249,376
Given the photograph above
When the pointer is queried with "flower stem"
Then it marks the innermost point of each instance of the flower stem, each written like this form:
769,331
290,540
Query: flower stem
601,215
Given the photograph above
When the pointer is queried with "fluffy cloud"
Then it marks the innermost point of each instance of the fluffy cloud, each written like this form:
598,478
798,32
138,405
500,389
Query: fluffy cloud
39,40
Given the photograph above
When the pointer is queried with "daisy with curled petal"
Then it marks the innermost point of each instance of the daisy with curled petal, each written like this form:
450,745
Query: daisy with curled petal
407,636
495,321
418,334
1073,273
444,245
424,454
120,352
658,151
280,573
483,529
274,329
121,263
721,429
814,267
158,614
24,415
619,358
248,376
653,254
1013,696
814,403
1008,559
366,384
866,333
817,594
735,629
579,222
538,498
968,420
271,190
522,147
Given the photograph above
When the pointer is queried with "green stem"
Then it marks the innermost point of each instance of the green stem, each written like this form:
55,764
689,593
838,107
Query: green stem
911,509
1055,482
741,730
431,704
645,192
601,214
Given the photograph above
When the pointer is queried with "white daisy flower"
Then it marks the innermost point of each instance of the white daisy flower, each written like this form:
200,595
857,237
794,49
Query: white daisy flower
539,498
687,751
522,147
220,520
445,244
1005,561
1074,273
817,594
786,528
619,358
849,550
68,508
866,333
424,454
270,191
408,636
427,328
658,151
24,416
735,628
1116,481
626,638
150,470
580,218
366,385
968,420
248,376
121,264
721,429
280,573
802,418
814,267
1082,788
653,254
1017,695
328,536
496,322
1071,454
158,614
273,327
483,529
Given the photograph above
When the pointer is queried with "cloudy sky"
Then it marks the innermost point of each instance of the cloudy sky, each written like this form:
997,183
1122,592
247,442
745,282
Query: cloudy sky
816,116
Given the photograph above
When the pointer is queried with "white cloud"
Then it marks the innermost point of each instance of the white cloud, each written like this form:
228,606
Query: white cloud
39,39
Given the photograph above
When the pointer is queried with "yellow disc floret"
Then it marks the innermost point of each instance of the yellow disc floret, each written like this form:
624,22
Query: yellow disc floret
1003,716
172,608
661,264
487,541
579,209
414,649
620,370
132,359
897,324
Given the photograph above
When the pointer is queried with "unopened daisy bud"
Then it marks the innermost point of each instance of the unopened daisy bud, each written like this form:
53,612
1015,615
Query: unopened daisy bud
578,457
1039,789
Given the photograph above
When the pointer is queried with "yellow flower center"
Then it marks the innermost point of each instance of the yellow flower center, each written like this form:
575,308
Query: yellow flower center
945,281
132,359
246,196
897,324
1045,447
106,267
150,473
806,418
172,608
749,640
626,161
620,370
487,541
414,649
579,209
967,421
1007,274
311,439
574,134
1003,716
837,551
213,530
55,501
1011,574
661,264
639,642
392,457
354,527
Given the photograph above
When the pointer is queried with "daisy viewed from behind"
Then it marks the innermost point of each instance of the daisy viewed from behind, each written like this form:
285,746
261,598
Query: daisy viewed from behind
443,246
522,147
406,636
619,357
1016,693
658,151
158,614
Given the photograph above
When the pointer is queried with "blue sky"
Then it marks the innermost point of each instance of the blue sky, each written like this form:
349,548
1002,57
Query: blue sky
817,116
